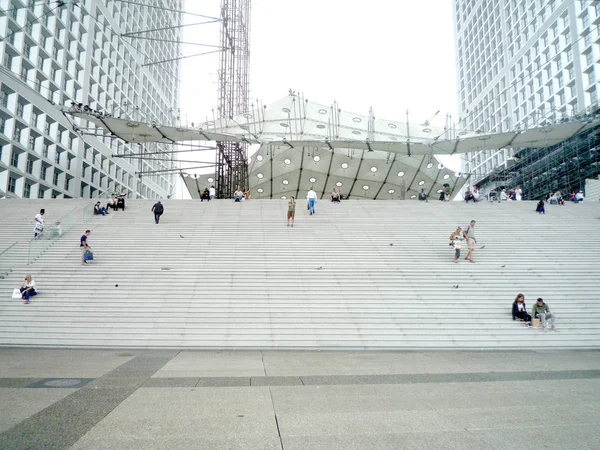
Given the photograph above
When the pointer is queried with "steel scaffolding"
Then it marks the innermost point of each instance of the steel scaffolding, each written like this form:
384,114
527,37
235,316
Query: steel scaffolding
232,159
563,167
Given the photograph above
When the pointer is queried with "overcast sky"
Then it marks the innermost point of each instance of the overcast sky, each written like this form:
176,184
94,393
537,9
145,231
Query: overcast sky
391,55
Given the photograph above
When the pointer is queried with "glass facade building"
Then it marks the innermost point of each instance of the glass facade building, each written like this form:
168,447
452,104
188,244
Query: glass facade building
523,64
55,53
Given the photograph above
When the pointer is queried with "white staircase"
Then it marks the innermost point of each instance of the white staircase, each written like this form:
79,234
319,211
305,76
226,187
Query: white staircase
360,274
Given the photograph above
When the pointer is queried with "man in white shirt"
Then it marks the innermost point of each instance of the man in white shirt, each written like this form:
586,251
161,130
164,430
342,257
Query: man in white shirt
579,196
39,224
311,197
211,193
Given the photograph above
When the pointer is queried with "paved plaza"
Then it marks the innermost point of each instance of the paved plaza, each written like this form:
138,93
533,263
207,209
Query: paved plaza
169,399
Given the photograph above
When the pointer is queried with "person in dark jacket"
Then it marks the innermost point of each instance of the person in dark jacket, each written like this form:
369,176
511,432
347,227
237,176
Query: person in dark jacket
540,207
158,209
519,310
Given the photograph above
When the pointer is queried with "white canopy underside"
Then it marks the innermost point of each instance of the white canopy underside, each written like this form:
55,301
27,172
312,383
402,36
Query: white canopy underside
295,124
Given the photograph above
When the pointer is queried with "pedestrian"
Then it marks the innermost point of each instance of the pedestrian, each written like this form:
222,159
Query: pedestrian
422,195
518,193
211,193
455,239
291,211
541,311
27,289
83,244
469,234
540,207
311,197
39,224
157,209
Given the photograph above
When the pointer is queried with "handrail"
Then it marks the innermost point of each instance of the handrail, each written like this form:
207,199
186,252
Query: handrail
7,259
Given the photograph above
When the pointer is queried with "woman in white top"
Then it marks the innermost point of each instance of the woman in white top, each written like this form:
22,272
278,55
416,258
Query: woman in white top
519,193
27,289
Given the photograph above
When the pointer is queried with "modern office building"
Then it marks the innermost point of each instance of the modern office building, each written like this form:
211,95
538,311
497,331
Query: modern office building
523,63
53,53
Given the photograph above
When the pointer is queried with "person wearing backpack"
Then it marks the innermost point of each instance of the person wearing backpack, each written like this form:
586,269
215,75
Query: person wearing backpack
158,209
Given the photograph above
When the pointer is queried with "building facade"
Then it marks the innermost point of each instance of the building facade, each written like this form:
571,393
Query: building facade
521,64
56,53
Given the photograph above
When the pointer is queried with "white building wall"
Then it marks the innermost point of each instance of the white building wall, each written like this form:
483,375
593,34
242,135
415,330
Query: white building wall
52,55
521,63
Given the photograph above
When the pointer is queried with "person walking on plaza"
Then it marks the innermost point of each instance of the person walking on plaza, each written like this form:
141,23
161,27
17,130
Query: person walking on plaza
27,289
39,224
157,209
311,197
291,211
542,311
83,244
469,234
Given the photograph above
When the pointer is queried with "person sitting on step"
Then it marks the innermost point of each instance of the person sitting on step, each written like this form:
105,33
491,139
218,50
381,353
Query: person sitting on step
238,195
335,196
519,310
27,289
99,209
541,311
422,195
112,202
121,202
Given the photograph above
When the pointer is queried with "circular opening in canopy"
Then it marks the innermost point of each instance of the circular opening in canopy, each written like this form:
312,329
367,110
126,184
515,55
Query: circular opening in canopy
357,119
286,110
400,174
373,169
391,191
259,158
286,182
344,165
365,187
283,124
321,126
287,161
413,196
430,165
313,180
421,183
210,180
260,190
446,176
392,125
338,184
317,158
322,111
356,132
259,175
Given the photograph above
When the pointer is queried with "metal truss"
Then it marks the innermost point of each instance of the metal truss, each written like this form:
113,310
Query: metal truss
563,167
232,160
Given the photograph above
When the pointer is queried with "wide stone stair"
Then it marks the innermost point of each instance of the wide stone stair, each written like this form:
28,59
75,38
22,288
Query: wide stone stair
360,274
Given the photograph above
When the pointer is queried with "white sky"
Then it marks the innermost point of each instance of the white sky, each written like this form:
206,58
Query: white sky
391,55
